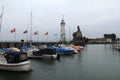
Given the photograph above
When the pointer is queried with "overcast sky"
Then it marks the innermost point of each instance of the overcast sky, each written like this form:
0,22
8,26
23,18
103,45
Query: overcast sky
95,17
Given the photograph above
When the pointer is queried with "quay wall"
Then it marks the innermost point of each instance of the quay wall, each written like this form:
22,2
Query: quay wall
19,44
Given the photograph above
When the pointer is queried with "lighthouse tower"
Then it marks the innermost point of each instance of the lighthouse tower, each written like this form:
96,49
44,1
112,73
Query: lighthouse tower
62,31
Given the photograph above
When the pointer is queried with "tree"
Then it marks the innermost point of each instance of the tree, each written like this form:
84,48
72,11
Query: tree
105,35
110,36
113,36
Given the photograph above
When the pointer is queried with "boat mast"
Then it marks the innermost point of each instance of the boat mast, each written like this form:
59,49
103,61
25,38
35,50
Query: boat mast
69,33
31,31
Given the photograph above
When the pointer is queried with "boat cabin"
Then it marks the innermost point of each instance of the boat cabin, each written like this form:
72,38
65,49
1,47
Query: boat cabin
15,57
47,51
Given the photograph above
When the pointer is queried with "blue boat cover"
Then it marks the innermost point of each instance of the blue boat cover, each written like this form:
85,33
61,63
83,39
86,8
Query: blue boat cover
62,50
25,48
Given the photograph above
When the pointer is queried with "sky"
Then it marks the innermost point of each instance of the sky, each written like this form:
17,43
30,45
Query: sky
95,18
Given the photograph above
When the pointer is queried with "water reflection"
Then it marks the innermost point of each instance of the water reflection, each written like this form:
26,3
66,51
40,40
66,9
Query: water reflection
8,75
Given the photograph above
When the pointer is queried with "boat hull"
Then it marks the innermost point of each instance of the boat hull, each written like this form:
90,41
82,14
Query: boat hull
44,56
46,53
22,66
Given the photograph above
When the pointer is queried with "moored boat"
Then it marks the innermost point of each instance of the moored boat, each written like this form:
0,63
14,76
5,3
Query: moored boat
45,53
64,50
15,61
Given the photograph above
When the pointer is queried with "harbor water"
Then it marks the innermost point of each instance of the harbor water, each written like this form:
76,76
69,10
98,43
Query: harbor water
95,62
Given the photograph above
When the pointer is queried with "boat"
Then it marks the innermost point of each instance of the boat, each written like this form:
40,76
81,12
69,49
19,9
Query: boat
64,50
15,61
45,53
70,49
78,48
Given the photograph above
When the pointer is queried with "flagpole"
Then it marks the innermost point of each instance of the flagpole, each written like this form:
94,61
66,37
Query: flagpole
1,21
15,36
69,33
24,39
56,39
27,37
47,40
1,18
37,39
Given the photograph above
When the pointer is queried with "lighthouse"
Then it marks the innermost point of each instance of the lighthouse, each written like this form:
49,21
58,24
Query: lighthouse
62,31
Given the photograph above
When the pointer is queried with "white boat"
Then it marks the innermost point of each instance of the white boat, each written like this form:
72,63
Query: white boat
15,61
70,48
44,56
45,53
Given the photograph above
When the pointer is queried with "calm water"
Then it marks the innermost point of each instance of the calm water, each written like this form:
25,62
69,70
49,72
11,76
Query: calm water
96,62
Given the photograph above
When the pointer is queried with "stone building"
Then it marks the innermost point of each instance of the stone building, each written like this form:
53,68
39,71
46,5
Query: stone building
78,37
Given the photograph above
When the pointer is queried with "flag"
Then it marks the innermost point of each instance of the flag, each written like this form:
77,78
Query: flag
46,34
13,30
55,34
25,31
36,33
